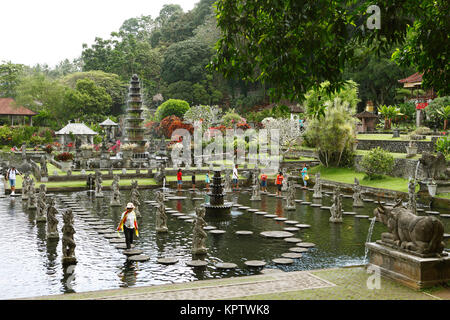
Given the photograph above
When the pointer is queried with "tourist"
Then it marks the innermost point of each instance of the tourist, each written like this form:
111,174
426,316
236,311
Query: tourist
279,182
207,181
179,179
193,180
11,176
264,182
305,176
128,224
235,178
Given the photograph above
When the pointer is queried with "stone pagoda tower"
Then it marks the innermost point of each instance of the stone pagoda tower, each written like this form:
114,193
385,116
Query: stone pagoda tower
134,129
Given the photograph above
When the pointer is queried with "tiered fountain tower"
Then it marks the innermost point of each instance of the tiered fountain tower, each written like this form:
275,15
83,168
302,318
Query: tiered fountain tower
134,130
216,203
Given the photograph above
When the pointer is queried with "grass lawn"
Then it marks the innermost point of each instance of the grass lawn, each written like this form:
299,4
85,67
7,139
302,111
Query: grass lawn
443,195
380,136
346,175
394,154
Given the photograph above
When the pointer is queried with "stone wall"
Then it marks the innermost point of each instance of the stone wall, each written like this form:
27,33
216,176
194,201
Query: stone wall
398,146
403,168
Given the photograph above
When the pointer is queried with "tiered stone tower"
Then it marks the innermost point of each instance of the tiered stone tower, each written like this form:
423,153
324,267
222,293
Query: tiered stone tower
134,130
216,203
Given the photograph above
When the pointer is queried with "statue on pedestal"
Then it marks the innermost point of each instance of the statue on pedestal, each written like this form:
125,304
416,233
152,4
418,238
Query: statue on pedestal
412,203
161,217
290,197
25,183
227,182
336,208
52,221
41,213
135,197
115,199
199,235
357,197
256,189
68,243
44,170
98,184
32,201
284,183
317,187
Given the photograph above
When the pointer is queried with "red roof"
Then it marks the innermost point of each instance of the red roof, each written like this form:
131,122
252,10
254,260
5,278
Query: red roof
7,107
416,77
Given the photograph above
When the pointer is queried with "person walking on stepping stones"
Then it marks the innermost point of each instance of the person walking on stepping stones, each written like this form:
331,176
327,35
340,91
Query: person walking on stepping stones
264,182
235,178
279,182
305,176
11,176
179,179
207,181
128,224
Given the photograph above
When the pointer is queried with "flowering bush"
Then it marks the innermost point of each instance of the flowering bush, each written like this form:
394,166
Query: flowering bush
243,126
152,127
48,148
377,162
128,146
169,124
64,156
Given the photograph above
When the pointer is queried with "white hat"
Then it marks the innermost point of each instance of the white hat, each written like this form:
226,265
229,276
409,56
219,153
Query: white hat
130,205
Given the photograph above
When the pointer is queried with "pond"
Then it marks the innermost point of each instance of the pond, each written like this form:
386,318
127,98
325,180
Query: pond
31,265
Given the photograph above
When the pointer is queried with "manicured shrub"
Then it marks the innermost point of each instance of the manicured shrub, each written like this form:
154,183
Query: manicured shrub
376,163
443,145
172,107
64,156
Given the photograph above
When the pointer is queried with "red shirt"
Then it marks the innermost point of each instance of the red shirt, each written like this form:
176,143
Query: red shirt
279,179
263,177
179,174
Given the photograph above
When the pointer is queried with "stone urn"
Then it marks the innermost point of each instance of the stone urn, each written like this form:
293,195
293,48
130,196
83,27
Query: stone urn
396,133
432,187
127,154
86,153
66,165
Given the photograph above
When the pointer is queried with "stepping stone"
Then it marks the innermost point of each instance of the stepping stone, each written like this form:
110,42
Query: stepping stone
446,236
283,261
305,244
184,217
132,252
96,223
276,234
293,240
347,196
139,257
298,250
103,231
349,213
270,216
244,232
304,226
298,201
445,215
243,208
195,199
100,227
432,212
361,216
325,208
368,200
420,210
315,205
291,229
167,260
189,220
177,214
176,198
226,265
111,235
196,263
291,255
209,228
150,201
261,213
237,205
117,240
254,263
252,210
217,231
305,203
291,222
123,246
280,219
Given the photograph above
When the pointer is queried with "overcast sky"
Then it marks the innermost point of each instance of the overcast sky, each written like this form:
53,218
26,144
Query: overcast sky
49,31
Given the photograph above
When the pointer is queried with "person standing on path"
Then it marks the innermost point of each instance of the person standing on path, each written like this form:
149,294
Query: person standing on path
128,224
264,182
207,181
179,179
235,178
11,176
279,182
304,176
193,180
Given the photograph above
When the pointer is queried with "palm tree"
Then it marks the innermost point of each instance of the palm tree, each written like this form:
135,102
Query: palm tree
444,112
389,112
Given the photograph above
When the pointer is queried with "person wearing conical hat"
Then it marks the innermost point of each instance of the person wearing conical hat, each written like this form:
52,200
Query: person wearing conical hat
128,224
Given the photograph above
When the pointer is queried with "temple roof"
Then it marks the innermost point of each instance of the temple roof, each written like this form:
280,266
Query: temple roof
108,122
366,114
7,107
76,129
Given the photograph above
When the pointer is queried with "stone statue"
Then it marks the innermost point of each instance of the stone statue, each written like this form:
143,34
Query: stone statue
227,182
98,184
115,199
25,183
284,183
161,217
52,221
41,213
336,208
90,181
317,187
412,204
68,243
256,189
434,167
44,170
32,201
135,197
357,198
290,196
69,172
418,235
199,235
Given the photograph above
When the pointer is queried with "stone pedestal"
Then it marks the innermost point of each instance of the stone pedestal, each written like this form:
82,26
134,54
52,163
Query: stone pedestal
410,270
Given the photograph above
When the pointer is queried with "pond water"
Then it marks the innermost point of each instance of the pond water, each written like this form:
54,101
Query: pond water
30,265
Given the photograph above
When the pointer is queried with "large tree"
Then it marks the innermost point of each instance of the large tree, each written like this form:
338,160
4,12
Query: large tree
9,78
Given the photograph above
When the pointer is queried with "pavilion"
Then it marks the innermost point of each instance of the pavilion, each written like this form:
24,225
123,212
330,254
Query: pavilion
76,131
18,113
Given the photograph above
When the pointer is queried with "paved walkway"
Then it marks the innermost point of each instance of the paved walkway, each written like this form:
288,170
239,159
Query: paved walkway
328,284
